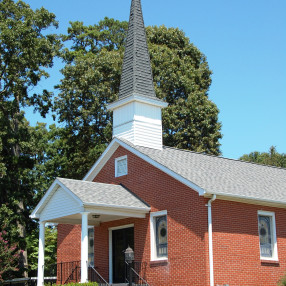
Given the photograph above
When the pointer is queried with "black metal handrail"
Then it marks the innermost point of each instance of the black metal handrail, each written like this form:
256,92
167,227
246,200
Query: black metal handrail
135,273
75,275
68,272
94,276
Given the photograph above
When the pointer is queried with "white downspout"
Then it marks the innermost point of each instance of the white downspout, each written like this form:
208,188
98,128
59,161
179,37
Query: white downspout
210,231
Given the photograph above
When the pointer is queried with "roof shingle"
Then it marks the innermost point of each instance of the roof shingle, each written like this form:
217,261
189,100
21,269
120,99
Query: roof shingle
217,175
103,194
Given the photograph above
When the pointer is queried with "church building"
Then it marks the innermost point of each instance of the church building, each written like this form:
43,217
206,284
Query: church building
190,218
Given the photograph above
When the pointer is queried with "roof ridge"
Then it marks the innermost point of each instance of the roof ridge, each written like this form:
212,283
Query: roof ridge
90,182
225,158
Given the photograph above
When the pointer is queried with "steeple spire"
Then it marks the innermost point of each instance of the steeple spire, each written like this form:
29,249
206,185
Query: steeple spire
136,78
137,112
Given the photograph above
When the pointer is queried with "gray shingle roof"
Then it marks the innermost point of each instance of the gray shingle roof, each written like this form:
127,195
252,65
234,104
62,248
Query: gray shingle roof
137,75
217,175
103,194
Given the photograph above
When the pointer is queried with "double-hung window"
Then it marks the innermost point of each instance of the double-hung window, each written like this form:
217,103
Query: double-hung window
267,235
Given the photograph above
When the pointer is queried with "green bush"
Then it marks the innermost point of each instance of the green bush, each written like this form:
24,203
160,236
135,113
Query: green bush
282,282
73,284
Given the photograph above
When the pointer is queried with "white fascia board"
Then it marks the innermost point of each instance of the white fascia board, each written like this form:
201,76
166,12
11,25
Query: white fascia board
164,169
55,185
100,161
138,98
94,171
116,211
143,210
246,199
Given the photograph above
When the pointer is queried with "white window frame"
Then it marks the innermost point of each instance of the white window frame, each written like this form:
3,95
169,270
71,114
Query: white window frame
274,237
116,162
153,247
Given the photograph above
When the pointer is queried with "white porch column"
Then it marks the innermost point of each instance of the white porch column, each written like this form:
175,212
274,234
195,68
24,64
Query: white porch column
41,256
84,247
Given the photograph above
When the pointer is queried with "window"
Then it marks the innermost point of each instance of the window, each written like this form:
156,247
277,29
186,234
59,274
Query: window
159,235
267,235
121,166
91,246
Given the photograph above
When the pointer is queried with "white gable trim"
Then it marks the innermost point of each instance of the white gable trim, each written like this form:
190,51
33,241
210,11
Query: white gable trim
116,142
101,161
48,195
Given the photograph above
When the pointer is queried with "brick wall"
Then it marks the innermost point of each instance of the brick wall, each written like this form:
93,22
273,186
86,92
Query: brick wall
236,245
187,223
236,242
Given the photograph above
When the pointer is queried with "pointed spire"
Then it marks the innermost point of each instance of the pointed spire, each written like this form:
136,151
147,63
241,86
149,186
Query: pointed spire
136,78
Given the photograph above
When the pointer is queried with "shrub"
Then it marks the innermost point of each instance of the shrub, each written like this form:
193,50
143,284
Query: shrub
282,282
9,258
74,284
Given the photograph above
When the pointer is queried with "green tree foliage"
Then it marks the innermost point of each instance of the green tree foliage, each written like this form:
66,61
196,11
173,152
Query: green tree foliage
271,158
92,77
25,54
9,257
50,248
182,78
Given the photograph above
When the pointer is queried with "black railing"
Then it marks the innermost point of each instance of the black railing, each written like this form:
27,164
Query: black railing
20,282
135,273
50,271
68,272
94,276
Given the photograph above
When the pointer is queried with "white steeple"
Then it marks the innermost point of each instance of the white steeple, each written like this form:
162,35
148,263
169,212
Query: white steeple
137,112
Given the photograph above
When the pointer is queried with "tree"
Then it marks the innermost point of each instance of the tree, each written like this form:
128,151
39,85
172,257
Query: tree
182,78
272,158
50,248
8,258
25,55
92,77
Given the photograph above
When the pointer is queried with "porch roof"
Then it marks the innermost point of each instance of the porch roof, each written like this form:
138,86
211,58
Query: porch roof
67,198
92,193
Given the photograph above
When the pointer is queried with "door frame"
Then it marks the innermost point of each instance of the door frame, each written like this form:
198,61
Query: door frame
110,229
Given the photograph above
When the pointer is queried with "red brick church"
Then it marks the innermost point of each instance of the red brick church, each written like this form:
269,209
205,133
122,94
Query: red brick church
190,218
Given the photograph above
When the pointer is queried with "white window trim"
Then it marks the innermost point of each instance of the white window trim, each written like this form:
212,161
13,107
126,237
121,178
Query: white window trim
118,159
275,249
153,215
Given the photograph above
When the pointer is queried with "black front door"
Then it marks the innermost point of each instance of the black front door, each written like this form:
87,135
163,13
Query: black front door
121,239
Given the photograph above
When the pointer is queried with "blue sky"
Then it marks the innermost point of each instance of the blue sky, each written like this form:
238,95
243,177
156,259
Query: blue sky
245,44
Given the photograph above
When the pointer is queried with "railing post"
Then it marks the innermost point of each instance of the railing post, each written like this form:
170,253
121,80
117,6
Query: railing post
130,274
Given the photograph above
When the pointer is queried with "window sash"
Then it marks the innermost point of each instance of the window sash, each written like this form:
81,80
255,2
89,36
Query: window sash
121,166
157,245
161,236
267,236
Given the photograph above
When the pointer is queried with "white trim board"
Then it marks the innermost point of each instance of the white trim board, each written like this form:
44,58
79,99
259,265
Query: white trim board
110,247
117,142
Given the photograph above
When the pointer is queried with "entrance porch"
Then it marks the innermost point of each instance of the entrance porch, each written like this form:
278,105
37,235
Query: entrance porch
87,204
